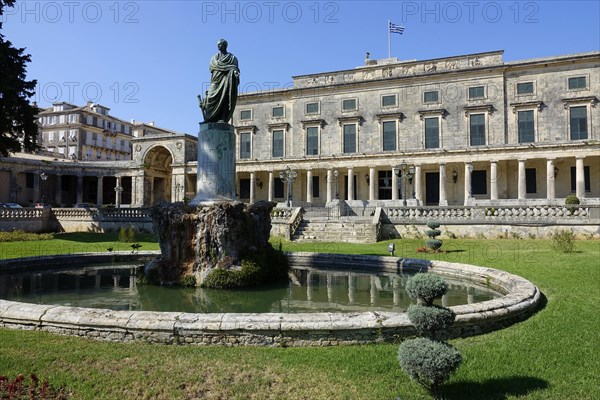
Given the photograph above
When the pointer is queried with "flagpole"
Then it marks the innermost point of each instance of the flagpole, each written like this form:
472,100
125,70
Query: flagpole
389,39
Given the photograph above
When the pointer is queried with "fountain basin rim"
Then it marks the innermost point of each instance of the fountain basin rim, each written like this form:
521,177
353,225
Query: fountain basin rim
273,329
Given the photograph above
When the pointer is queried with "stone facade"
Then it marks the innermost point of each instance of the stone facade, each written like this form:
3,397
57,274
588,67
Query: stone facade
470,130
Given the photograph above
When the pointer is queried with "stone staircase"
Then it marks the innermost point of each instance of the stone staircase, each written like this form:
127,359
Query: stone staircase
336,230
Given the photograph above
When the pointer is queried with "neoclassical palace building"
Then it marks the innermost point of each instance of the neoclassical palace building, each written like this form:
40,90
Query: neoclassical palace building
463,130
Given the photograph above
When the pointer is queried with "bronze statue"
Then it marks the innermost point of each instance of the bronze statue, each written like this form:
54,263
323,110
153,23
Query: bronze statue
221,96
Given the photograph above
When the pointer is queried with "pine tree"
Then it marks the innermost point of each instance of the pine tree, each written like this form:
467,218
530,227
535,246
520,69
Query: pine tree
18,127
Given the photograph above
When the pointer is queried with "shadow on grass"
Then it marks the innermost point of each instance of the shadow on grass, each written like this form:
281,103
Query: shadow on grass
494,389
86,237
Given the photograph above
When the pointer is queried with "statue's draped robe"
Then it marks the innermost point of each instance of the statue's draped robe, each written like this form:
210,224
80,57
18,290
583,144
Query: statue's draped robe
222,95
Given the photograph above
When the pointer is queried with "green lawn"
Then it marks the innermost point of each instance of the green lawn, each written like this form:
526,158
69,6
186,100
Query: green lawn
555,354
65,243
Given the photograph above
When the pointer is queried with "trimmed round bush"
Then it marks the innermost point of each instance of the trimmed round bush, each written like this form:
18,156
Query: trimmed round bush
572,199
433,244
433,224
430,319
426,287
433,233
428,362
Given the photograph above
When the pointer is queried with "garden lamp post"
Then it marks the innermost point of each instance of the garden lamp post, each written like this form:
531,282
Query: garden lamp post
288,175
44,178
337,187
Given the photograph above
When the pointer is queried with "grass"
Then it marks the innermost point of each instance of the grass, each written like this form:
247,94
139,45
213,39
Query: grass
66,243
552,355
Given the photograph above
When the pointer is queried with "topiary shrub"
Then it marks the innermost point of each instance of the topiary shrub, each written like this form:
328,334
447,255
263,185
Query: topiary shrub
432,243
571,199
428,362
428,320
426,287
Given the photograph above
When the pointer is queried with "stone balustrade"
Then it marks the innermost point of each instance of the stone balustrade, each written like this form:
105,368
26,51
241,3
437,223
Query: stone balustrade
526,214
74,219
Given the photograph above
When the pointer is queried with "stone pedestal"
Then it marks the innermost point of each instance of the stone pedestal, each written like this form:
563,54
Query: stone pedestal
216,163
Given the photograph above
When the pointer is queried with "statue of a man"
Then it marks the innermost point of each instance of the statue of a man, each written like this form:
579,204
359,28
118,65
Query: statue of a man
219,103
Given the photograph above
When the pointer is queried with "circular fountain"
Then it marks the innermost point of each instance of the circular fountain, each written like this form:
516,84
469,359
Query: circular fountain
518,299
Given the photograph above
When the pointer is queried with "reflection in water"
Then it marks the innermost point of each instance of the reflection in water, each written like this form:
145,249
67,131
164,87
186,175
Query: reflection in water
309,290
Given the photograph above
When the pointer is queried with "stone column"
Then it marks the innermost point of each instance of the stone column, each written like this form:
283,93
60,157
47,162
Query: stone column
579,178
521,186
329,184
550,187
309,186
270,195
371,183
100,191
252,187
118,193
468,190
443,199
350,183
494,180
80,189
394,184
417,184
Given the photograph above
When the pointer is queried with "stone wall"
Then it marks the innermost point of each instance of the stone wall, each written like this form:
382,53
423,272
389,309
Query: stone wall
279,329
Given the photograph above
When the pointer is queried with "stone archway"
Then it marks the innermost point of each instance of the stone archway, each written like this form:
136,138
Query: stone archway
157,175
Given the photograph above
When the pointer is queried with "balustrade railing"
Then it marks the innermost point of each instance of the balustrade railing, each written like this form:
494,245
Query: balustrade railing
501,214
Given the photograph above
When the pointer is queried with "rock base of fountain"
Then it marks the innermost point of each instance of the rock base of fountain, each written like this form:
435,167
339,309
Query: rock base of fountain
223,245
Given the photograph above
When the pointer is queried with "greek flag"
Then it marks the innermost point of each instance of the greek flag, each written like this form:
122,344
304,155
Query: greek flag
396,28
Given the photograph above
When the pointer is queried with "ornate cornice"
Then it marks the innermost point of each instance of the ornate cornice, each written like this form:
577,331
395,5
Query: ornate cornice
527,104
579,100
438,111
489,108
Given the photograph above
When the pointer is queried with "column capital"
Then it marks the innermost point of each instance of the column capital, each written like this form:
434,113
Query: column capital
493,161
579,157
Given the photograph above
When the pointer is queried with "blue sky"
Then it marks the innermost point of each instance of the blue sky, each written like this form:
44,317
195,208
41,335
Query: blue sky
147,60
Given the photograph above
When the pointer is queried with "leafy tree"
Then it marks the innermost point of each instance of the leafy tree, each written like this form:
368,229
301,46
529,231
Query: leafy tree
18,127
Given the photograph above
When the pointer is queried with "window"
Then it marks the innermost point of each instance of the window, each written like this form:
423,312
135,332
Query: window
350,138
388,100
530,180
525,88
385,184
62,119
312,141
579,82
479,182
578,119
245,115
315,186
432,133
586,178
476,92
278,188
389,135
244,188
477,129
245,145
52,120
277,150
431,97
312,108
526,127
277,112
51,136
349,105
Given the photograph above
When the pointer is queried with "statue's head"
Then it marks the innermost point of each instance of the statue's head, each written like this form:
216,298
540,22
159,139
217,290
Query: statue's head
222,44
